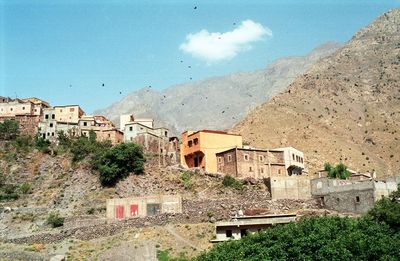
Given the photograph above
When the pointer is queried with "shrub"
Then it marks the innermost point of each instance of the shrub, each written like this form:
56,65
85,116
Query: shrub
387,210
63,139
25,187
55,220
42,144
23,142
229,181
9,130
117,162
8,192
186,179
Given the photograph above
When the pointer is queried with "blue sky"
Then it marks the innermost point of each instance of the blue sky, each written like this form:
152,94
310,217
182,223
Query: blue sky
64,51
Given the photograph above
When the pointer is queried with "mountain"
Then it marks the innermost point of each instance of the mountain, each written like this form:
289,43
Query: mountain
346,107
215,103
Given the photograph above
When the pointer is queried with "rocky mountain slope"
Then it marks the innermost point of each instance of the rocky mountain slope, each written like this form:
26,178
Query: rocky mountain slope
345,108
215,103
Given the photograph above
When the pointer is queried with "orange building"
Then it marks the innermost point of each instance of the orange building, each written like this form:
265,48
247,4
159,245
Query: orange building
198,149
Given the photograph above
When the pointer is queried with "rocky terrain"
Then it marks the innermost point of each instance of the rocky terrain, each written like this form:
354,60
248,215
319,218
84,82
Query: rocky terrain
215,103
346,107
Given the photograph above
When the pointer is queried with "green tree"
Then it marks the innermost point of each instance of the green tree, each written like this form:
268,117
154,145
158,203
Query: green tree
229,181
318,238
92,136
387,210
117,162
55,220
63,139
9,130
339,172
42,144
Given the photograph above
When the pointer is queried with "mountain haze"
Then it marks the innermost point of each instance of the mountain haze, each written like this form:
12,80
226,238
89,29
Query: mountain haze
345,108
218,102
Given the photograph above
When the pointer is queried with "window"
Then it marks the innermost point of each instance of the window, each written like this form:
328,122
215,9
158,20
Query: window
196,141
243,232
71,109
293,156
53,116
262,170
166,133
250,169
35,110
84,123
190,143
52,134
60,110
220,159
229,158
46,116
228,233
51,125
246,157
261,158
11,109
109,135
161,150
48,134
130,128
279,171
23,108
357,199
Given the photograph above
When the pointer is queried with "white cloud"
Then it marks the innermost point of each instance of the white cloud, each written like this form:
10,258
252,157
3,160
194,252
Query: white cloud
214,47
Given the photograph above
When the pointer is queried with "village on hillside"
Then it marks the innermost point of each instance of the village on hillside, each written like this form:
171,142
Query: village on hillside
205,152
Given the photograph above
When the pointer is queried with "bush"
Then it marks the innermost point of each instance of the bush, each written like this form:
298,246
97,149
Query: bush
42,144
186,179
117,162
55,220
9,130
339,172
25,187
63,139
23,142
8,192
229,181
387,210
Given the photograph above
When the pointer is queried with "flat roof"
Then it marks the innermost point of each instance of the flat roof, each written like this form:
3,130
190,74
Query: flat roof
250,149
214,132
258,220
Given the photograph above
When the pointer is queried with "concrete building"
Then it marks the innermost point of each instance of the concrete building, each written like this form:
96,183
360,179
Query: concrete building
129,118
67,113
198,149
356,196
242,226
125,208
294,160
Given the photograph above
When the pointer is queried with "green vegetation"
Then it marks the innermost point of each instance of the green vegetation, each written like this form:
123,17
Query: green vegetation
387,211
339,172
117,162
42,144
229,181
55,220
186,179
25,187
9,130
8,192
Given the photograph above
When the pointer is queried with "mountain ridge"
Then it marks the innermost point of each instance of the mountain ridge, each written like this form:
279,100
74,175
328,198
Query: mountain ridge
206,103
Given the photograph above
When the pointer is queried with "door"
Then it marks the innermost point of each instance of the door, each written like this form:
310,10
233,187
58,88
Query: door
119,212
134,210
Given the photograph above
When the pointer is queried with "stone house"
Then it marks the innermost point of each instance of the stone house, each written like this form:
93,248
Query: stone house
104,128
198,149
355,196
251,163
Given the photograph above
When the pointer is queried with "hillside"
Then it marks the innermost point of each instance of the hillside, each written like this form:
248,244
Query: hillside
215,103
345,108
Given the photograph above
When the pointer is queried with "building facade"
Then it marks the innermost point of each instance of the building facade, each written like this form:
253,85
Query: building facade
351,195
198,149
125,208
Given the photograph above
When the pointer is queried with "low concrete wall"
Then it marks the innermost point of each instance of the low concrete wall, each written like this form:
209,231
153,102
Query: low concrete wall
143,206
294,187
